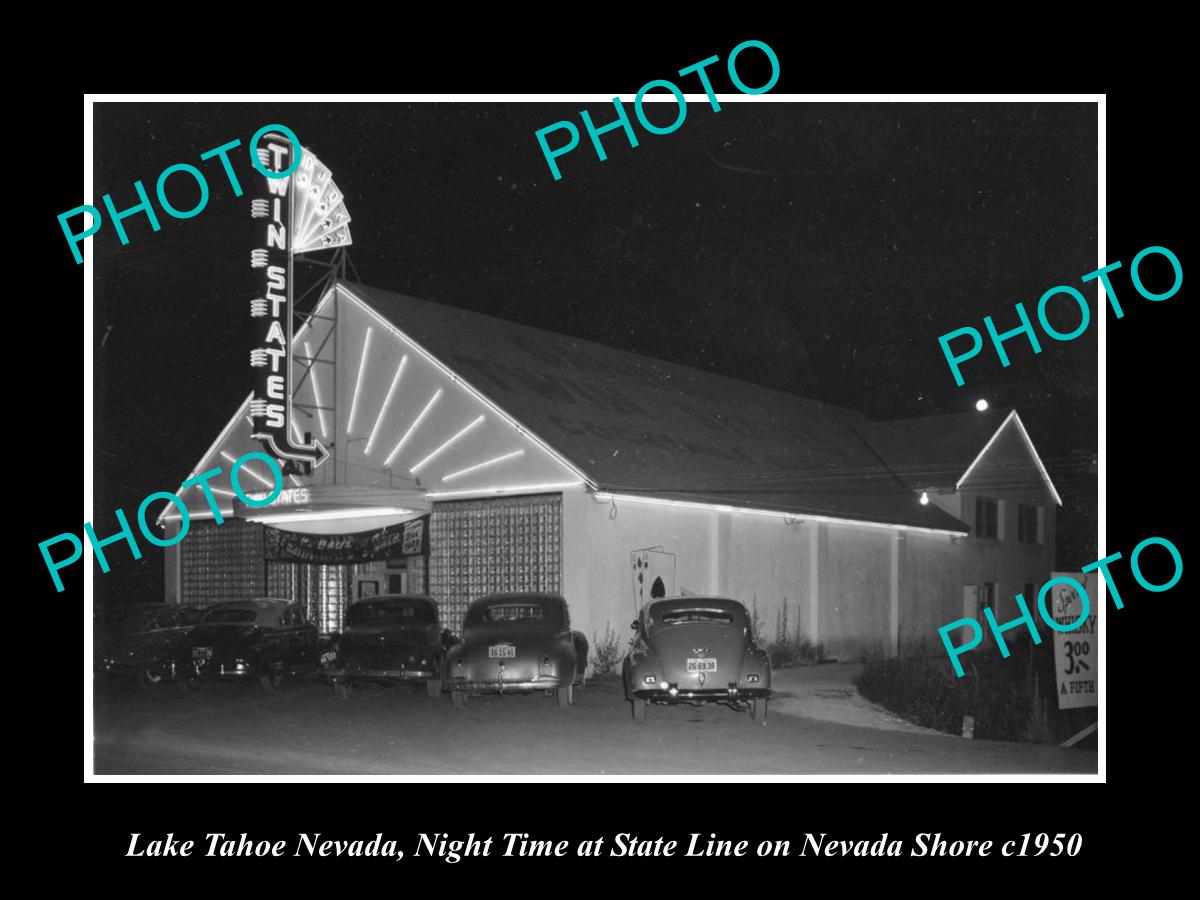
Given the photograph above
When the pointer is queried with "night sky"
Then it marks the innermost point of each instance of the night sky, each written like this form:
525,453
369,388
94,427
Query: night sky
815,248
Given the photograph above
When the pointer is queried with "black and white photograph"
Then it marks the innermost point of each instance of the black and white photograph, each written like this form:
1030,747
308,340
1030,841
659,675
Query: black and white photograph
535,437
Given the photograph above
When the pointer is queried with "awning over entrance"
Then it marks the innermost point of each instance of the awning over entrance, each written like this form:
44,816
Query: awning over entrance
335,508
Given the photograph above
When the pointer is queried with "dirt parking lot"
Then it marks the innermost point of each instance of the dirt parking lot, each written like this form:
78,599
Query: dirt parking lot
233,729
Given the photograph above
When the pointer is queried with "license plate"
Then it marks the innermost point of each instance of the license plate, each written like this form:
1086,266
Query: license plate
502,651
202,653
328,657
702,664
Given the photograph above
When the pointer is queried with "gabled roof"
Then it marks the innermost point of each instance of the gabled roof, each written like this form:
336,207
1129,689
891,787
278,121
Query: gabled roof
1013,422
544,411
641,426
942,451
932,451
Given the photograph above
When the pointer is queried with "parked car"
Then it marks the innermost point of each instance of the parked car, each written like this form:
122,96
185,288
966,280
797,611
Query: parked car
142,640
263,639
696,650
516,643
390,638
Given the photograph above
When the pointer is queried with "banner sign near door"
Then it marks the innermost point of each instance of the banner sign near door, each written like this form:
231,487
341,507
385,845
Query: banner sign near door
416,538
405,539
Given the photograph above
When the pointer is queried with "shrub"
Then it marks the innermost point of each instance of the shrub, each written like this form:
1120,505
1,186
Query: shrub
916,689
790,649
1037,726
795,651
1001,693
756,623
605,654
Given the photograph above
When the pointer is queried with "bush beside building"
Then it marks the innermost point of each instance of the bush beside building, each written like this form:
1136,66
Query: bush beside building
1010,699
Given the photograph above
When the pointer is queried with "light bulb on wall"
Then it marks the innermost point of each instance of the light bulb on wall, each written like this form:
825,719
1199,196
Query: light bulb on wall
924,498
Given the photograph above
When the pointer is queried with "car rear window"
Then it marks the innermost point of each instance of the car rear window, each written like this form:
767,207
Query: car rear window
680,616
514,612
227,616
407,612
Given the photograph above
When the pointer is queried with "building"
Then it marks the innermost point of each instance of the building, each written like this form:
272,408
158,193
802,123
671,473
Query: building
471,454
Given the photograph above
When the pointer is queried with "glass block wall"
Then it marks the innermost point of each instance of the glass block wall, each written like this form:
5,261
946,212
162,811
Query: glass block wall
323,589
221,562
478,547
418,574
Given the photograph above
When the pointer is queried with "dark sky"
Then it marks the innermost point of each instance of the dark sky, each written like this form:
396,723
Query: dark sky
815,248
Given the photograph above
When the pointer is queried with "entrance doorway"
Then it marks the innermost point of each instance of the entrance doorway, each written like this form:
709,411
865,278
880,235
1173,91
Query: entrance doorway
391,577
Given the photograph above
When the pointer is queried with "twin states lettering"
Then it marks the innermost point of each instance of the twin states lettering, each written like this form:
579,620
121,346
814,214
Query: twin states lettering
272,263
286,497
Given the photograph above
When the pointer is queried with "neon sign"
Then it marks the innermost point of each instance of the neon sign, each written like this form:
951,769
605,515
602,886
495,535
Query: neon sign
301,212
287,496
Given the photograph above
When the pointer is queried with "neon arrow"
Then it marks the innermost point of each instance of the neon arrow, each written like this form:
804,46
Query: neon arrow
316,454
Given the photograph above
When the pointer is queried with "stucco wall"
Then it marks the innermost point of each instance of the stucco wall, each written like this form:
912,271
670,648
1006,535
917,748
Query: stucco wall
764,563
855,581
930,588
598,577
761,561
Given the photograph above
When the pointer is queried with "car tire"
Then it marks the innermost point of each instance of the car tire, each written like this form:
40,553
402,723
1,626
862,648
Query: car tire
758,710
565,695
269,682
639,709
148,679
342,690
433,688
458,699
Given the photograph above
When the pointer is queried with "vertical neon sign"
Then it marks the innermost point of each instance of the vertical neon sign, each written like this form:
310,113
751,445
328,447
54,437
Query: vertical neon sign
310,198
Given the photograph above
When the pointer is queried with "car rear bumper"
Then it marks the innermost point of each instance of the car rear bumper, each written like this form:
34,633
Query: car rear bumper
686,695
222,670
119,666
370,673
538,683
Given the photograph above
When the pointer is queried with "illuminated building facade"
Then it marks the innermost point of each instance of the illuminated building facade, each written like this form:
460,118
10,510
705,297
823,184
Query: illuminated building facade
469,454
